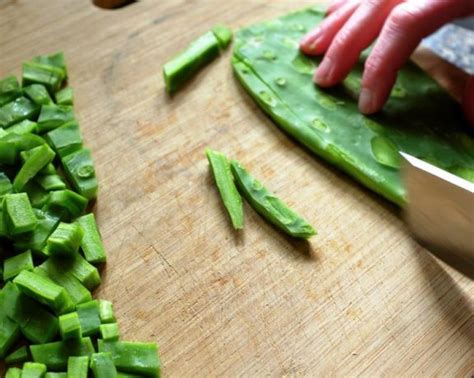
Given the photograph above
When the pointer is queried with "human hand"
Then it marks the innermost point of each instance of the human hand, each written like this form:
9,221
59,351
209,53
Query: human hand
352,25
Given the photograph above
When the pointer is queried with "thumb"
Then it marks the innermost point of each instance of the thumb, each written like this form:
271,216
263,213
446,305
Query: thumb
468,101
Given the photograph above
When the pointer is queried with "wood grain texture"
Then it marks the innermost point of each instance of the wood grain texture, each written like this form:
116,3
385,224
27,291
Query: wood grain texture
360,299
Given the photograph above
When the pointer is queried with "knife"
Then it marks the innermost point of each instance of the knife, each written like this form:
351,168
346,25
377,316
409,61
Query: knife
455,43
440,212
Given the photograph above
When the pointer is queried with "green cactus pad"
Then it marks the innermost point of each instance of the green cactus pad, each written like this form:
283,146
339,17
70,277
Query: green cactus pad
420,118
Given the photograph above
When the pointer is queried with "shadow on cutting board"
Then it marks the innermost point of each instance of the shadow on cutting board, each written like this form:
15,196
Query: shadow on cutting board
452,302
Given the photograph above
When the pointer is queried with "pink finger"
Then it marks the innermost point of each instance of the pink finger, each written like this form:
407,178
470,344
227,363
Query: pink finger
335,5
356,35
468,101
319,39
406,26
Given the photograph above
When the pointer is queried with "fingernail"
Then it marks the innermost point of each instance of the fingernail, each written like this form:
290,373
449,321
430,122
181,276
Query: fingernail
308,39
325,72
314,45
366,104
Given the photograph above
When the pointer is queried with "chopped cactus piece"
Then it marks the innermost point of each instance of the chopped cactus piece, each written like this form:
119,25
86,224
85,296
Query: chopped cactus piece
22,354
223,35
9,90
33,370
65,97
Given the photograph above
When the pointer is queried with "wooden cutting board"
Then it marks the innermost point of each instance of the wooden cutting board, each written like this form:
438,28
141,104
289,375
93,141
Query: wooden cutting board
360,299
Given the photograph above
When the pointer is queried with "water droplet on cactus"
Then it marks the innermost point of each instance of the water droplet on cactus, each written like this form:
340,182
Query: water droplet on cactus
319,125
385,152
256,41
86,171
290,43
326,101
299,27
267,98
281,81
256,185
303,64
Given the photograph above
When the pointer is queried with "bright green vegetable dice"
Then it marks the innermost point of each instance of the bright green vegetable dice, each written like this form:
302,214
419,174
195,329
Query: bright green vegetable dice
65,240
92,245
16,111
13,373
14,265
9,90
89,317
106,312
23,127
53,116
37,159
70,326
78,367
65,96
50,182
18,214
66,204
11,144
33,370
76,290
79,169
66,138
39,73
38,94
102,365
36,240
22,354
45,291
36,324
55,355
55,60
78,267
35,206
109,332
132,357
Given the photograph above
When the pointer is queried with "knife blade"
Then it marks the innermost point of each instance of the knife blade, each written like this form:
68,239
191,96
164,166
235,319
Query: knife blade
454,43
440,212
